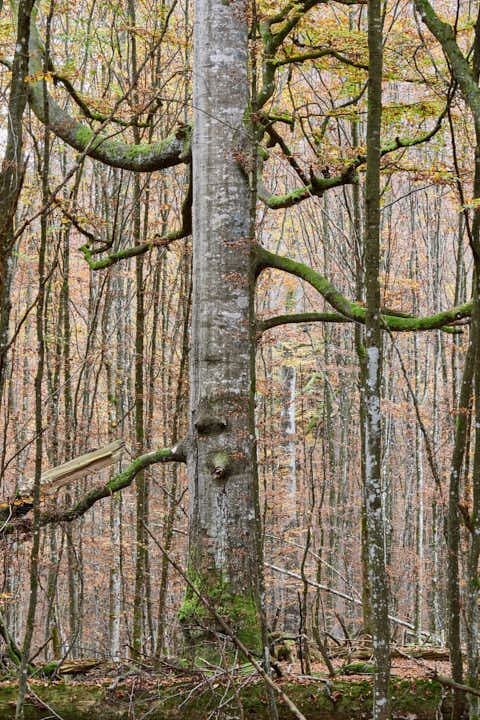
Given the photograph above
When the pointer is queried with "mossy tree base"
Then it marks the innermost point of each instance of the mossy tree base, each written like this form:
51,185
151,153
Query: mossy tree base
237,609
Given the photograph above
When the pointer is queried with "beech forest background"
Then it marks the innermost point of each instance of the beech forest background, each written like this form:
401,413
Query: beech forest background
116,337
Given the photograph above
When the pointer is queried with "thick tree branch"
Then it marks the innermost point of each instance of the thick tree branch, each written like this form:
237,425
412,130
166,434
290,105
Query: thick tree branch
317,185
448,682
309,317
173,150
315,188
350,310
117,483
158,240
461,69
296,318
318,54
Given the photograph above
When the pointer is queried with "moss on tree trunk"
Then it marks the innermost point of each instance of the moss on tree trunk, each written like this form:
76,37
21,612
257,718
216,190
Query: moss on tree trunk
238,610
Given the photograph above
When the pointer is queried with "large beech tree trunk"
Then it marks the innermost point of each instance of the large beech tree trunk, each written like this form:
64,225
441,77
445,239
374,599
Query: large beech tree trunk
221,480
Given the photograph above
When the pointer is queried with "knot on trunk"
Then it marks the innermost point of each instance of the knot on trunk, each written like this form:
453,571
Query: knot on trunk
208,419
220,464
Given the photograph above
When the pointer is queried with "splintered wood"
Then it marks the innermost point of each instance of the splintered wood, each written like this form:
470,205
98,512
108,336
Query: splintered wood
53,480
56,478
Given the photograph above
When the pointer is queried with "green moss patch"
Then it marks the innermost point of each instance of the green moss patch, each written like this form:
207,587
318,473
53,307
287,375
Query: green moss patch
238,610
342,700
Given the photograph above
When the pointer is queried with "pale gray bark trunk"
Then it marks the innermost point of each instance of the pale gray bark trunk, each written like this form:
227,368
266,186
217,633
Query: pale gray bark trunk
287,473
288,429
419,538
419,546
115,579
373,363
221,498
116,507
435,613
472,592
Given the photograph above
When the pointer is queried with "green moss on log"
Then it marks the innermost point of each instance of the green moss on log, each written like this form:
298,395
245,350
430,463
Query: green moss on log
360,668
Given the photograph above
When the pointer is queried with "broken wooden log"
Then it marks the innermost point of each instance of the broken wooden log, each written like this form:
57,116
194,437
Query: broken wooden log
76,667
417,652
56,478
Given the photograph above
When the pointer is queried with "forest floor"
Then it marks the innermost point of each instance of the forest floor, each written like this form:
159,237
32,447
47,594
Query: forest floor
121,692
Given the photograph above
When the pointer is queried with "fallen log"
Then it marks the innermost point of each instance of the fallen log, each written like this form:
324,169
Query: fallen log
448,682
76,667
419,653
69,667
357,669
423,653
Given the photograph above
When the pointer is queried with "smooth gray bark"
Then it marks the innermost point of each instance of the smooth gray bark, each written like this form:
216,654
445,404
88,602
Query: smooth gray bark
222,519
373,348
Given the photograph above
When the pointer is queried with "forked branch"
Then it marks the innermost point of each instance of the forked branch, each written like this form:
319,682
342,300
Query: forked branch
352,311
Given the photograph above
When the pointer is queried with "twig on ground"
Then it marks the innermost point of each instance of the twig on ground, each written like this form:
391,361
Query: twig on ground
244,650
448,682
42,702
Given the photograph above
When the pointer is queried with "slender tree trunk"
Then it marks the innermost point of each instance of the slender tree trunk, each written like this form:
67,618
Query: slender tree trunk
373,363
419,529
34,553
141,481
116,507
472,592
139,437
12,171
360,349
453,529
173,500
435,614
287,469
419,588
472,610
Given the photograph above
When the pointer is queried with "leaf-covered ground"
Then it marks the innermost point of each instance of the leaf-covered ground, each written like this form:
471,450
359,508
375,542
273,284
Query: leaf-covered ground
115,692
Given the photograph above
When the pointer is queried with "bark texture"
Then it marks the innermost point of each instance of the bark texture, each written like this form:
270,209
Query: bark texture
373,347
12,171
222,519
